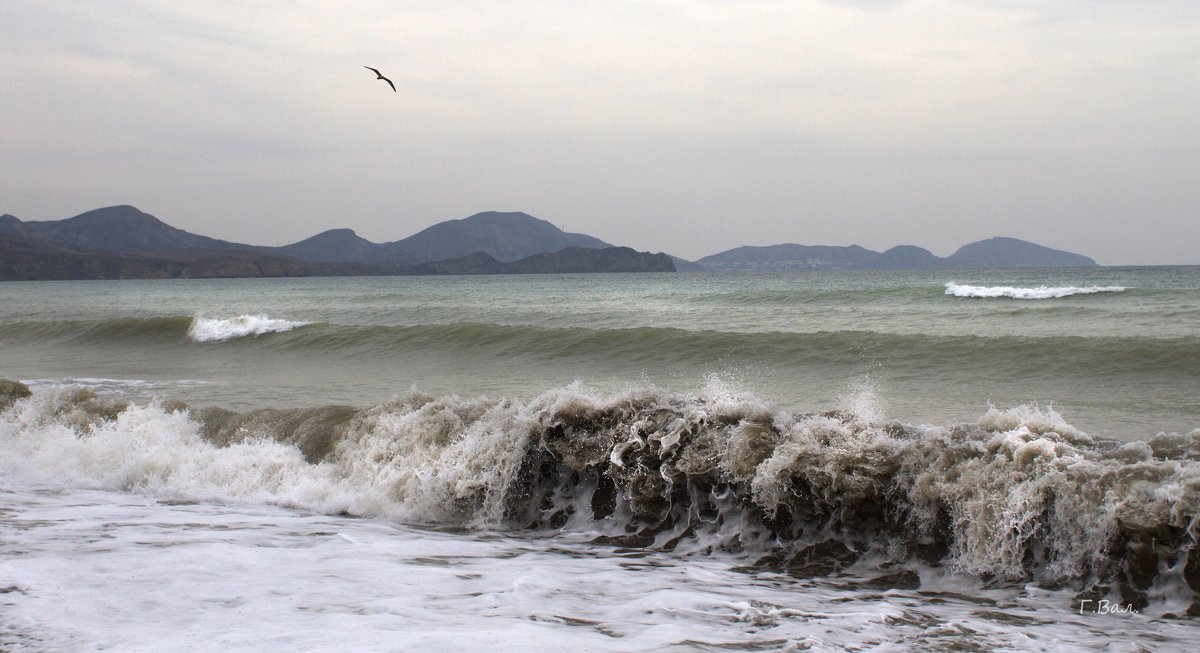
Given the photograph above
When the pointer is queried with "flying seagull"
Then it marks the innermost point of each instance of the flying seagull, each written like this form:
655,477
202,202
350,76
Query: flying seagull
379,75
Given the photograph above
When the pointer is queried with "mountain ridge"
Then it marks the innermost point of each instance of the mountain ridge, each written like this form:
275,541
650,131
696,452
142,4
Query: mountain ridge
121,229
571,260
122,242
506,237
996,252
36,259
1003,252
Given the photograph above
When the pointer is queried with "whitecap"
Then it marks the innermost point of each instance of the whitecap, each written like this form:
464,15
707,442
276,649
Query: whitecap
1013,292
205,329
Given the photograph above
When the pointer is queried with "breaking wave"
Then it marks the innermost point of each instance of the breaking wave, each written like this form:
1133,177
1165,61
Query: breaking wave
1018,495
1040,292
205,329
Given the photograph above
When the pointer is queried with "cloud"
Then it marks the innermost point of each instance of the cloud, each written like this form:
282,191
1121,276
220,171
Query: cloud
873,5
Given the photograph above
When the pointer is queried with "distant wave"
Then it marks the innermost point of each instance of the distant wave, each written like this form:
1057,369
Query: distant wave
665,345
104,386
205,329
1040,292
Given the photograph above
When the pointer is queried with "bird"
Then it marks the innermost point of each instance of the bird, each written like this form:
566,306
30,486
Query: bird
379,75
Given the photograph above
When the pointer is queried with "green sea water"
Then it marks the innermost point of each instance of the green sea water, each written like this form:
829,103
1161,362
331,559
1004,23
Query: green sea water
724,461
1116,351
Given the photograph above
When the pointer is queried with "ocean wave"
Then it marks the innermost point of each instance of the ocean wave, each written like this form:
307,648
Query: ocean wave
205,329
1011,355
1039,292
97,331
1018,494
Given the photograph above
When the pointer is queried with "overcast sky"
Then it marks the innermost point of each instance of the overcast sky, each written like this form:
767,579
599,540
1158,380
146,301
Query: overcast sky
685,126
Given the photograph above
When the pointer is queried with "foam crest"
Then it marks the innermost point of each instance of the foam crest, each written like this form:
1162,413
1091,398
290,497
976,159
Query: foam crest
70,435
205,329
1038,292
434,460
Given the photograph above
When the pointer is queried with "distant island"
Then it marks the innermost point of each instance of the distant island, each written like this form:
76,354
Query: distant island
122,242
990,253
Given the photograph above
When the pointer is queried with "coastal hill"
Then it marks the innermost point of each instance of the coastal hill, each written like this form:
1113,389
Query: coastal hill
116,229
1014,253
29,259
991,253
36,259
333,245
573,259
122,242
504,236
790,256
127,230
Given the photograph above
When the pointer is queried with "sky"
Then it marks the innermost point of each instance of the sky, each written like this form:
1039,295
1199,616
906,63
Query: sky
685,126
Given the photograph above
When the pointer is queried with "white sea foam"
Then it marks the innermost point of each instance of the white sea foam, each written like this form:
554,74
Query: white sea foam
204,329
411,459
1013,292
98,570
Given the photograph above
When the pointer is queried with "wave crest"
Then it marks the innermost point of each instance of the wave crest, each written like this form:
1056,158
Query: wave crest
1018,494
205,329
1012,292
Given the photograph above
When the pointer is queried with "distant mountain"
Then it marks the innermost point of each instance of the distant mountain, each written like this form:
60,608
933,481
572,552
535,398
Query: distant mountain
121,242
903,257
335,245
1014,253
991,253
10,225
505,236
565,261
684,265
791,256
116,229
478,242
127,230
32,259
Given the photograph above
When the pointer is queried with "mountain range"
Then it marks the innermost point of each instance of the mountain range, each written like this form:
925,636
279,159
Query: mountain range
991,253
124,242
506,237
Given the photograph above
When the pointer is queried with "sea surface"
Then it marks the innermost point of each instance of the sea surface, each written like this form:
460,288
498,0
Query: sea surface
884,461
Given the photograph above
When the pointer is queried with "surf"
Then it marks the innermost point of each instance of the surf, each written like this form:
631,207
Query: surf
204,329
1038,292
1018,495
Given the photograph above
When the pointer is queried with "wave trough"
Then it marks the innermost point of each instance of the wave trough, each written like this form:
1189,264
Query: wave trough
1012,292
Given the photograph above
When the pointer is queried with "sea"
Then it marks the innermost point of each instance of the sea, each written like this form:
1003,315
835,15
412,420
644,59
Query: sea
946,460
